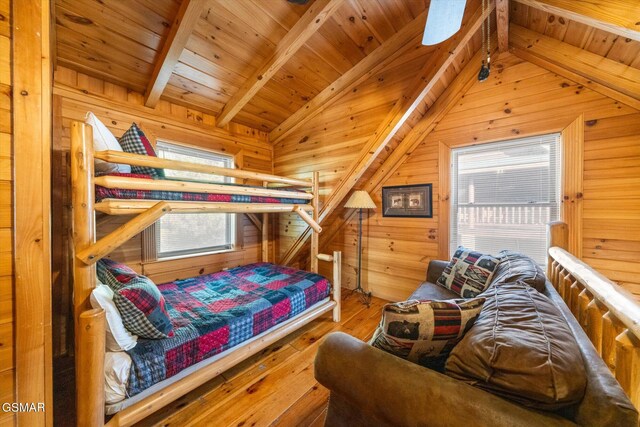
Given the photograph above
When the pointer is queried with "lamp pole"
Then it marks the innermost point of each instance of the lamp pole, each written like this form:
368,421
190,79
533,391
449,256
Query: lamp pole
365,297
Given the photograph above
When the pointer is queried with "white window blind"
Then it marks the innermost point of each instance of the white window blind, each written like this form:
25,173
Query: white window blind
194,233
504,194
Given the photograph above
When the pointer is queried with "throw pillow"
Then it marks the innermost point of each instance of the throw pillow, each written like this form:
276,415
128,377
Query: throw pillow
469,272
135,141
104,140
516,267
138,299
425,332
118,338
521,348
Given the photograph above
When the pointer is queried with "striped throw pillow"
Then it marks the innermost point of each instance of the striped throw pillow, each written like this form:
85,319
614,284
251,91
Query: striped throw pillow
425,332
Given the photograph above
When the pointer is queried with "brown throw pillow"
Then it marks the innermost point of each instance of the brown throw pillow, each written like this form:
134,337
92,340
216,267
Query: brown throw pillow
424,332
469,272
516,267
521,348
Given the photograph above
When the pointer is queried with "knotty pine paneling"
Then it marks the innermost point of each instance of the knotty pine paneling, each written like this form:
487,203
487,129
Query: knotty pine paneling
519,99
117,108
7,343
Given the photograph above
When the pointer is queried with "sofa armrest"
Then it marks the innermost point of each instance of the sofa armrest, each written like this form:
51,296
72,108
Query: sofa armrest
380,386
435,269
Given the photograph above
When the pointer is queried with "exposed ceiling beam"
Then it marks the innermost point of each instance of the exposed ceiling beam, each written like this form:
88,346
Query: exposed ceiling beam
502,16
445,102
317,14
181,29
413,96
619,17
612,74
377,60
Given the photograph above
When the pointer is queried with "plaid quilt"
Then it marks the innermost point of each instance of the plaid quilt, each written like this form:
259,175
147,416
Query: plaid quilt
117,193
215,312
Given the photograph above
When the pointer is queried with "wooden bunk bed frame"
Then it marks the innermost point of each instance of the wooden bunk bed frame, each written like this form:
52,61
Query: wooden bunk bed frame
90,323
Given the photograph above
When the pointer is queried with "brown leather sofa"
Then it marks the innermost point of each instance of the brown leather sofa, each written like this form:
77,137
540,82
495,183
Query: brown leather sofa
370,387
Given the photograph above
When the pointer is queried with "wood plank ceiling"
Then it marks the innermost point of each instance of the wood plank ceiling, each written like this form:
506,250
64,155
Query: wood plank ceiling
120,42
232,41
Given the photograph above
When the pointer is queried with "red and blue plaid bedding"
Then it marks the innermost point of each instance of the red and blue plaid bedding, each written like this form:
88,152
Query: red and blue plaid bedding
215,312
118,193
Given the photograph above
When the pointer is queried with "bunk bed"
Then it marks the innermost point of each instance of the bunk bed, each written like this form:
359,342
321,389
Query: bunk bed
149,200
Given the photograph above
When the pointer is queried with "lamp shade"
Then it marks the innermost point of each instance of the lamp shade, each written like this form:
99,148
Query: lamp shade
360,200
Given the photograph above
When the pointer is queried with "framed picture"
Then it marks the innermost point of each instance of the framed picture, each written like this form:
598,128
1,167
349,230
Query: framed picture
412,201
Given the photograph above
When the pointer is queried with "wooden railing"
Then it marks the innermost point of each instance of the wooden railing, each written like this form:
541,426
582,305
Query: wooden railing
609,314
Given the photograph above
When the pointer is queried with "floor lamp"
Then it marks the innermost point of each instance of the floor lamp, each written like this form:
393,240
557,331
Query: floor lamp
360,200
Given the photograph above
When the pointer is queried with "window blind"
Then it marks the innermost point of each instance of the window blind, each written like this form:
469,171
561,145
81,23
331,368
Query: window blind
194,233
504,194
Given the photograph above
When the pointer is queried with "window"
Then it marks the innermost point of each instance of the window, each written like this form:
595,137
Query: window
504,194
194,233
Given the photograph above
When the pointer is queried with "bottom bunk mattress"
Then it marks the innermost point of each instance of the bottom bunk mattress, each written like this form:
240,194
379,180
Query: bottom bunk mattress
215,312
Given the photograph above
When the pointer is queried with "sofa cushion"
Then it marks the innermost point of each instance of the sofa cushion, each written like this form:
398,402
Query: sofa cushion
424,332
469,272
430,291
522,349
516,267
138,299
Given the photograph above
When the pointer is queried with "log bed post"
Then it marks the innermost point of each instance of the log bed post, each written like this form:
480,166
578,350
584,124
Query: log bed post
336,260
315,238
337,284
90,367
89,343
265,231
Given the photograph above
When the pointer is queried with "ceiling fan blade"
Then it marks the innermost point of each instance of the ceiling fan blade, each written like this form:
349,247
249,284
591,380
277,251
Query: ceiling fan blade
443,21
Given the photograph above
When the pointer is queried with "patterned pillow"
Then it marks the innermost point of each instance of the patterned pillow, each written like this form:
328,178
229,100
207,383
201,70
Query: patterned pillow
134,141
469,273
138,299
425,332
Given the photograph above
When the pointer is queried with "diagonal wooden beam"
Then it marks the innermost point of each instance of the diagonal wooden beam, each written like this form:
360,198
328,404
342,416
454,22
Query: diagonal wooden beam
103,247
181,29
317,14
445,102
502,16
619,17
431,73
398,44
612,74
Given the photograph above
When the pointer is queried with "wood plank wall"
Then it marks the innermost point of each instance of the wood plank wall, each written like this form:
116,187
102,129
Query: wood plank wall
117,107
331,141
519,99
7,360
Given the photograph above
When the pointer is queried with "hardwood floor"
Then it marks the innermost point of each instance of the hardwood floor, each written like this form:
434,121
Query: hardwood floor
275,387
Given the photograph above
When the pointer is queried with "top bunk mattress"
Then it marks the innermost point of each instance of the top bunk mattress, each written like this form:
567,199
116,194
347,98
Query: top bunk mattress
215,312
103,193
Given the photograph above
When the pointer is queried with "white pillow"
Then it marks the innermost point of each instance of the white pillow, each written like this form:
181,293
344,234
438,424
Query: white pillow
118,338
117,366
103,140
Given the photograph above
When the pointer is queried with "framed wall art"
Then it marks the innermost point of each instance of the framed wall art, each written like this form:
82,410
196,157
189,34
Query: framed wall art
409,201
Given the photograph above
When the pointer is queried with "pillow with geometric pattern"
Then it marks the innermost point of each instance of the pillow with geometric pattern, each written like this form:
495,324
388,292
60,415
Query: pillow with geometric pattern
138,299
135,141
469,272
425,332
